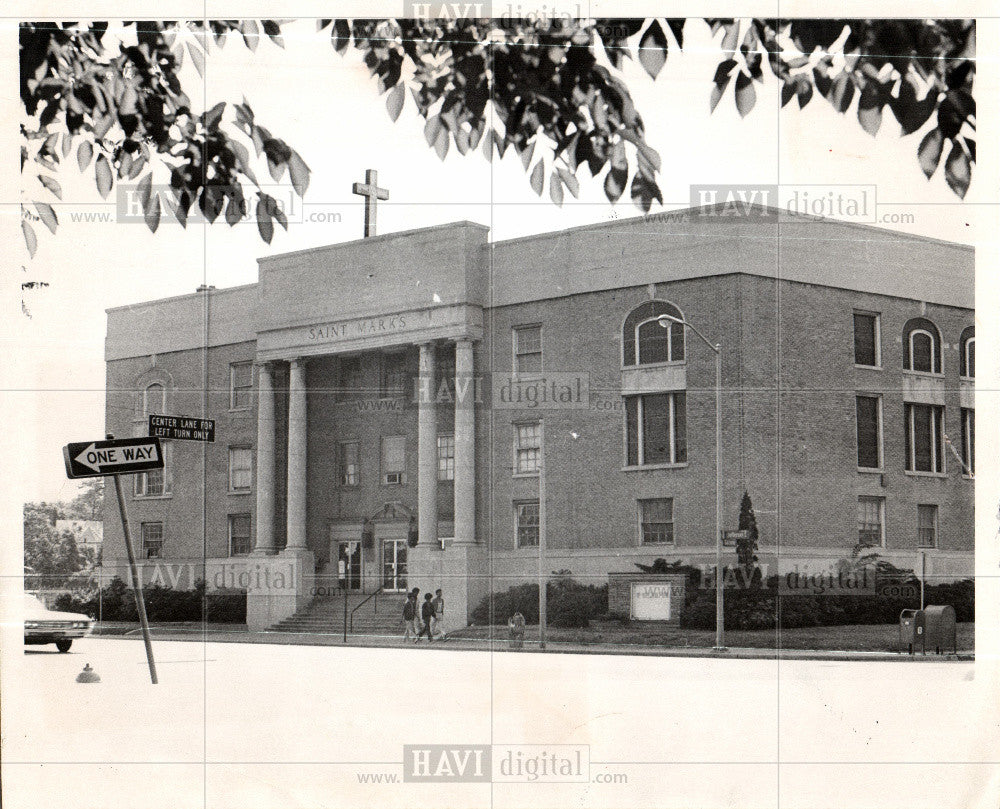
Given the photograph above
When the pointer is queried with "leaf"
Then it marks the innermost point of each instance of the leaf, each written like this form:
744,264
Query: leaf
214,115
51,185
250,32
537,179
153,213
264,224
67,144
144,189
647,152
488,146
48,215
644,191
441,144
676,25
137,167
102,172
431,129
716,96
102,126
614,183
394,101
525,155
653,49
870,109
273,30
957,170
30,240
746,96
340,36
556,189
234,210
299,172
842,93
198,58
787,92
570,181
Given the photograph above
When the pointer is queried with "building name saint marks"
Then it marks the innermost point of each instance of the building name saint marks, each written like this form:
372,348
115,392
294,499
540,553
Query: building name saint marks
365,327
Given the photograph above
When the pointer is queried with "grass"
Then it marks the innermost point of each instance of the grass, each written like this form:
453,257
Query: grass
855,638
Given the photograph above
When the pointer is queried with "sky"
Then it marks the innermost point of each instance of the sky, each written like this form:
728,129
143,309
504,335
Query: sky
326,107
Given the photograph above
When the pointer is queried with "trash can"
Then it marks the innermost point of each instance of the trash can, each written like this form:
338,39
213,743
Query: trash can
515,627
912,630
940,630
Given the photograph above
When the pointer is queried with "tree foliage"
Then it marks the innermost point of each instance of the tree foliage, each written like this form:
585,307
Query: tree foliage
746,549
50,556
552,90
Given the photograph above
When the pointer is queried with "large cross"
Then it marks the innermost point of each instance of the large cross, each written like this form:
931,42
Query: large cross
371,192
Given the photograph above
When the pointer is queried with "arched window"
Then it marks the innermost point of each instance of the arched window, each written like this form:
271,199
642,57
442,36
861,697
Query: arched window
153,399
645,340
921,346
967,353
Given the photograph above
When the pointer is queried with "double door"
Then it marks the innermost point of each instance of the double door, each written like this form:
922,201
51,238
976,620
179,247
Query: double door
394,565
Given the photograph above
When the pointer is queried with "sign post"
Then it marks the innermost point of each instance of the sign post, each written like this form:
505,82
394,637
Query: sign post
116,458
730,538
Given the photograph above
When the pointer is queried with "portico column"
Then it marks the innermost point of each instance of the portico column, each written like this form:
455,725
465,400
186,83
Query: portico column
265,459
465,444
297,455
426,450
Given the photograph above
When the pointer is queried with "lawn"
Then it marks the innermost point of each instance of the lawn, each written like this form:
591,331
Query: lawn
857,638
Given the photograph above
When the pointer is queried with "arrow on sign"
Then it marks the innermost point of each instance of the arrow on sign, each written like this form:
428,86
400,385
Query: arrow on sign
101,459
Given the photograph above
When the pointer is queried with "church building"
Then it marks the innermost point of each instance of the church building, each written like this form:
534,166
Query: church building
429,408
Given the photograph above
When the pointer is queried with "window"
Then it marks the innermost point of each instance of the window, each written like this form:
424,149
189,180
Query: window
156,482
240,385
351,377
656,431
527,520
239,534
871,522
527,448
393,381
969,440
350,471
867,350
967,353
656,521
927,526
869,415
527,349
240,461
645,340
921,346
394,459
154,400
152,540
924,438
446,457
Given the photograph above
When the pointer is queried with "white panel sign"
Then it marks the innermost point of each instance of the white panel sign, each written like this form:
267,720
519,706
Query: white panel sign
651,601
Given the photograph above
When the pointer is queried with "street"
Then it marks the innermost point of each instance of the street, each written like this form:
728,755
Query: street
234,725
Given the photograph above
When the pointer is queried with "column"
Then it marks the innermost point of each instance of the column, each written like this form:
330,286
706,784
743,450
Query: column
426,450
465,444
297,455
265,459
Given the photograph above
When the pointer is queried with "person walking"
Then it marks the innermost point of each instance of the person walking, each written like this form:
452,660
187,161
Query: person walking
438,602
410,618
415,595
427,614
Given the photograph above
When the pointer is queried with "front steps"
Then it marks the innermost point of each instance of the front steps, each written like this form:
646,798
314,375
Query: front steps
325,616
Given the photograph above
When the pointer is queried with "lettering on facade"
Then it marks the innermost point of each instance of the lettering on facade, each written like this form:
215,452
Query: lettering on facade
364,327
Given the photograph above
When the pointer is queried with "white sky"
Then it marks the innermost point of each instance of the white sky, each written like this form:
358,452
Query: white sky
326,107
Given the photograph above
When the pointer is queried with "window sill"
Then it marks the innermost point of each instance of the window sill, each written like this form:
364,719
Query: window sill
246,409
866,470
242,492
967,476
669,364
923,374
859,367
915,474
657,544
970,379
152,496
524,474
649,466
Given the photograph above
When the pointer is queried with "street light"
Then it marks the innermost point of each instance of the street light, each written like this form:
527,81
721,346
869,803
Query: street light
665,321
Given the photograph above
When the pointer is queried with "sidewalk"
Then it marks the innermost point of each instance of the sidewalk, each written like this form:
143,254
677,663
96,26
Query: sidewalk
229,633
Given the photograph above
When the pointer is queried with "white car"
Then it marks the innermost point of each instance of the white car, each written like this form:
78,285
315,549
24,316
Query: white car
42,625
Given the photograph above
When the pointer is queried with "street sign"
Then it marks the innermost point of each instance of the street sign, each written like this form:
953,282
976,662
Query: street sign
183,428
119,456
730,538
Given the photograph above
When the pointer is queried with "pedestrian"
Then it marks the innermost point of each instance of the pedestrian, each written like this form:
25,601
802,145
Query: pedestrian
427,614
438,603
415,595
410,618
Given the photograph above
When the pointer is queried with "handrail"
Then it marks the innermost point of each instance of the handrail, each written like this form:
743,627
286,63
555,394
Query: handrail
369,598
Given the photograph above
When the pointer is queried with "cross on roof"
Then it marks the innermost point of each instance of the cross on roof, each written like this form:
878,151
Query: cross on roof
371,192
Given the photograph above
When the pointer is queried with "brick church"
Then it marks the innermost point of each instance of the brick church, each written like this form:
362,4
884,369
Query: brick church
418,408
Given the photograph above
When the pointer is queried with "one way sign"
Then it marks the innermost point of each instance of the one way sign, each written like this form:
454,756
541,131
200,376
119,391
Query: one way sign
119,456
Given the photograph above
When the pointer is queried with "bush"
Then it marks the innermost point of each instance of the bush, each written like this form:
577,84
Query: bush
569,603
163,604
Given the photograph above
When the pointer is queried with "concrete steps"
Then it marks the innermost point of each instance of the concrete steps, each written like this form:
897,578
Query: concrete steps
326,616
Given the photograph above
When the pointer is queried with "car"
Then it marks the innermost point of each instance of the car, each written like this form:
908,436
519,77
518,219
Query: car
42,625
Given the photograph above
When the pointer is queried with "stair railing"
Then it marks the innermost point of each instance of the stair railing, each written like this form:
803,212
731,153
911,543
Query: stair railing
360,605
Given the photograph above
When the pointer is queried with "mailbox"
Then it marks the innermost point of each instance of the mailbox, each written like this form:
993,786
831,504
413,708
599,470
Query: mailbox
912,630
940,630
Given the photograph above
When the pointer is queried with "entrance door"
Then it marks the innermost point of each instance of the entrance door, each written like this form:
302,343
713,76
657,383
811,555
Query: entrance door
394,565
349,565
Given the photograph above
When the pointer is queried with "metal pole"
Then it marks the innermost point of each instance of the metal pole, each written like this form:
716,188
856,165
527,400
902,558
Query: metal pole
136,581
720,618
345,615
923,575
542,582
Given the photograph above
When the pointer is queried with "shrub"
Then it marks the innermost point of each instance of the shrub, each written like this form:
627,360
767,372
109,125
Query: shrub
569,603
163,604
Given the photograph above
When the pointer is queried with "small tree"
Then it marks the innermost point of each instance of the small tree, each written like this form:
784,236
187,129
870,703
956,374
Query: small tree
746,549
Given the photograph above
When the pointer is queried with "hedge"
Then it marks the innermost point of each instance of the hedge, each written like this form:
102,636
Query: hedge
568,603
163,604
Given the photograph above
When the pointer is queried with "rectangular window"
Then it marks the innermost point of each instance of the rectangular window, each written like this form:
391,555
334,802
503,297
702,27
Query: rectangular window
866,340
350,378
350,472
527,516
393,380
528,349
156,482
969,440
927,526
871,522
240,385
527,448
240,462
656,429
446,457
924,425
239,534
152,540
656,521
394,459
869,415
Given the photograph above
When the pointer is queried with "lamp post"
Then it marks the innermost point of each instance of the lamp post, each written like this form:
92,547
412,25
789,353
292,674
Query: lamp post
665,321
